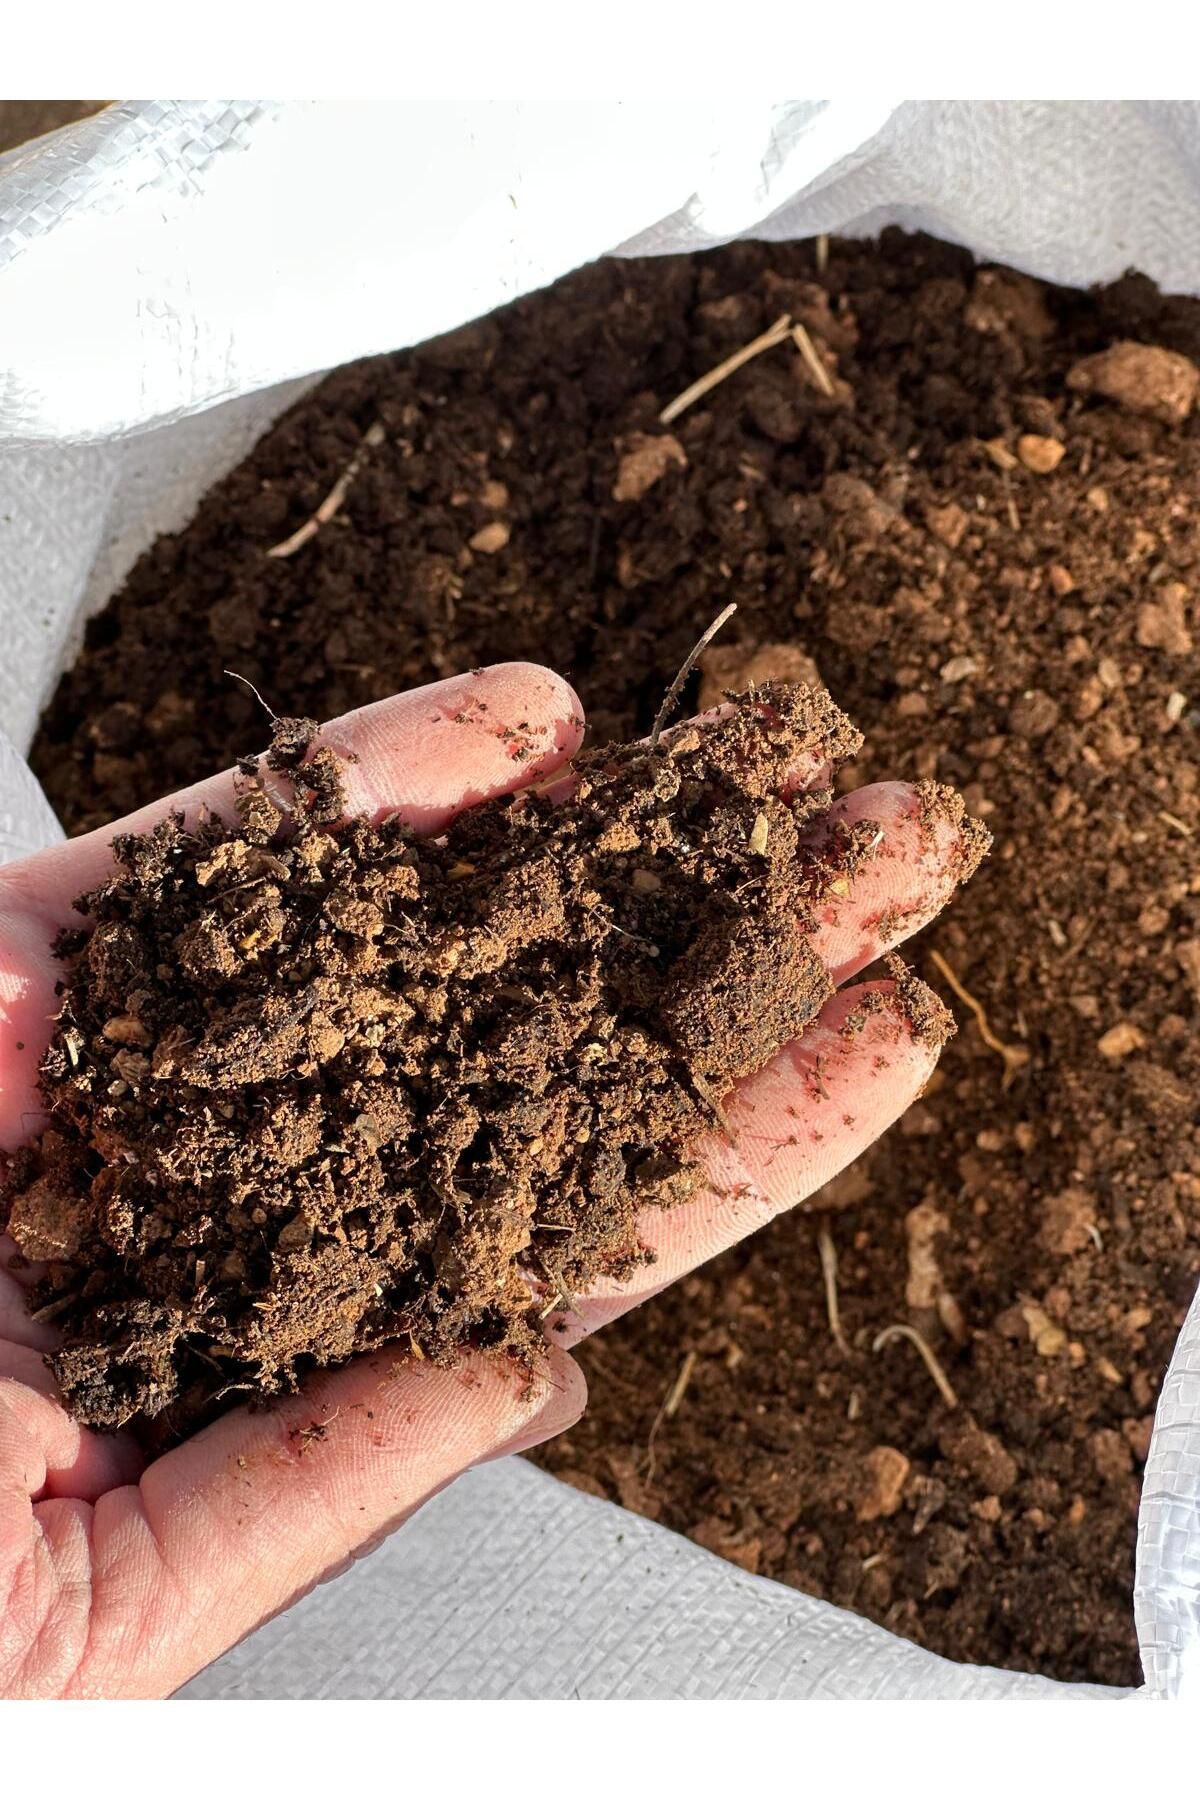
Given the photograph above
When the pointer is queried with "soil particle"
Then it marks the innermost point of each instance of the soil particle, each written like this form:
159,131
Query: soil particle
942,585
1143,377
309,1092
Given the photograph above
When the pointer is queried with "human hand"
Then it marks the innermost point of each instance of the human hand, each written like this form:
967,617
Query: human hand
118,1580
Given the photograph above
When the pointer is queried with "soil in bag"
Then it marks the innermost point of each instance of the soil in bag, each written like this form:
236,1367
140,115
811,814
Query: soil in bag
967,501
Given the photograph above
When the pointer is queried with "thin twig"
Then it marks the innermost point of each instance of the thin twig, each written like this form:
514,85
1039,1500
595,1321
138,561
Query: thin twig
668,1409
775,334
693,656
675,1397
246,682
941,1379
822,252
829,1270
1014,1056
332,503
816,367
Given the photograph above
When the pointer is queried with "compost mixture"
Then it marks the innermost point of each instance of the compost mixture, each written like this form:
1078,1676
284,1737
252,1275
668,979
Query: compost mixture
314,1091
970,501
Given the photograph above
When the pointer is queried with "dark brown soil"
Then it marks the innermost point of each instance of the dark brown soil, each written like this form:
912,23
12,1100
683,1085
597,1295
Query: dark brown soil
994,564
313,1091
21,120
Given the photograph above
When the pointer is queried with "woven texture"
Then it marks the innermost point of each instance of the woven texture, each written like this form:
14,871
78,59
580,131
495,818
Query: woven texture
172,275
551,1594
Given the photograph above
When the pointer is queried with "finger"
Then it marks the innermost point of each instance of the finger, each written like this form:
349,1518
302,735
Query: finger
19,1363
793,1126
70,1462
246,1516
424,755
927,847
15,1323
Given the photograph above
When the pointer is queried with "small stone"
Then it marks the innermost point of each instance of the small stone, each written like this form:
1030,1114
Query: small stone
644,460
1089,699
1121,1040
1162,623
1034,714
1111,1455
959,668
884,1471
491,538
1061,580
1142,377
947,523
1047,1338
1041,455
494,496
1000,454
988,1509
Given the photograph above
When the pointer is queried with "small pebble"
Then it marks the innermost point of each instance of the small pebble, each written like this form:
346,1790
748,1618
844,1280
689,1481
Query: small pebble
1041,455
1034,714
491,538
1121,1040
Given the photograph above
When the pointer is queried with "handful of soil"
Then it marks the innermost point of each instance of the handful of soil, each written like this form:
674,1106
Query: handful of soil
310,1091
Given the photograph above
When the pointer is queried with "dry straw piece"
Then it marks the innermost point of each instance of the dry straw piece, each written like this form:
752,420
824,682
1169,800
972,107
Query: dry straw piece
333,501
774,334
940,1377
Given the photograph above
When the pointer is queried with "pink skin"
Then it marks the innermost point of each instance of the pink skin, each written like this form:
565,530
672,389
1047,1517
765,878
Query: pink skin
118,1580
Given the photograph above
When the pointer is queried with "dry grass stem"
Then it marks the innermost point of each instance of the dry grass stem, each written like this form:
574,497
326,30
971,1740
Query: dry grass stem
693,656
940,1377
828,1254
1014,1056
670,1406
679,1389
812,361
334,499
775,334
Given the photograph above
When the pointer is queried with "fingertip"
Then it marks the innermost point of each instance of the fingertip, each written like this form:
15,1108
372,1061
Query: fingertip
927,847
430,753
556,1400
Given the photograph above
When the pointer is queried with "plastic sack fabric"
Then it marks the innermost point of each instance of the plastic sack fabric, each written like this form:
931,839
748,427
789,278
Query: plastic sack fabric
172,275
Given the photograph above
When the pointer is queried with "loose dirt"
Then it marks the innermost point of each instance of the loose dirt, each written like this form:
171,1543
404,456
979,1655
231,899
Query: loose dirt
311,1091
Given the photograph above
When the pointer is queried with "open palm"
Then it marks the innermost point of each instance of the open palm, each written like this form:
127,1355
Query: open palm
118,1580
